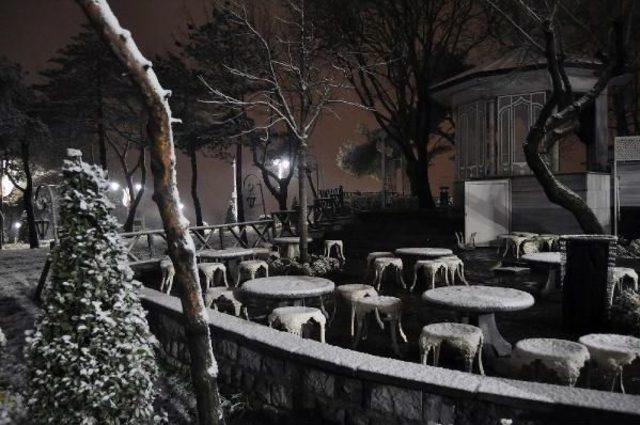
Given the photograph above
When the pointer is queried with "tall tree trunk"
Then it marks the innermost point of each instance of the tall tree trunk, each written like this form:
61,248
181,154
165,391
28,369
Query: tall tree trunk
102,136
135,202
303,224
197,206
204,369
239,182
27,196
282,197
418,174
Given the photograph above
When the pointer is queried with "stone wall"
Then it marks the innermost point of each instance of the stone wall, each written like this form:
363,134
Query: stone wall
296,380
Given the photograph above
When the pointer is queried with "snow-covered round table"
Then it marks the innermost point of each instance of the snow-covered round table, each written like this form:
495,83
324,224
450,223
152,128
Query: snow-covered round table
552,261
479,304
287,289
423,252
290,245
611,353
411,255
230,256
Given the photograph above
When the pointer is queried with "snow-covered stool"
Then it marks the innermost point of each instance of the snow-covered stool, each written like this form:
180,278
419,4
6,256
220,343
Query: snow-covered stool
383,263
292,319
168,273
252,267
352,292
384,308
622,273
513,242
431,269
376,254
209,270
465,339
454,268
219,295
611,353
330,244
565,358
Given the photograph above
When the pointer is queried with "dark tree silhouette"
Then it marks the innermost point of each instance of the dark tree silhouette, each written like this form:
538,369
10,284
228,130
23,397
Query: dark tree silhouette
393,51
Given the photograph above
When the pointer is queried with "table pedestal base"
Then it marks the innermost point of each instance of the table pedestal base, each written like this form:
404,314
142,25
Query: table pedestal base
494,342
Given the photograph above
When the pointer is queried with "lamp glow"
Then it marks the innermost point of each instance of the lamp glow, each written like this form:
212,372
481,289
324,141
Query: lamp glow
114,186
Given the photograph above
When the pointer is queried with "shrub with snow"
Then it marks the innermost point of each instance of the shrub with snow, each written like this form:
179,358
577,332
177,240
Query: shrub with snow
90,358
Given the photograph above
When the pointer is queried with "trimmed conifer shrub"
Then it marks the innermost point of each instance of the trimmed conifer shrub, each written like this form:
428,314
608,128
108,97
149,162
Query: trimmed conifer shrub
90,358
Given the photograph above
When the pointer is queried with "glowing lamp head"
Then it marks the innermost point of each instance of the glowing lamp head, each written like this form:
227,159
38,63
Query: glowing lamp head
138,187
17,225
114,186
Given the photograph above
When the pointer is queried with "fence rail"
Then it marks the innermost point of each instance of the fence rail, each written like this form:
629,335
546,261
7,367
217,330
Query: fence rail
149,245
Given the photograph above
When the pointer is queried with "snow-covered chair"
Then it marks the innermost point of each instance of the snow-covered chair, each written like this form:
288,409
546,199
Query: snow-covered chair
565,358
251,267
431,270
218,295
330,244
209,270
350,293
384,308
292,319
168,274
464,338
381,264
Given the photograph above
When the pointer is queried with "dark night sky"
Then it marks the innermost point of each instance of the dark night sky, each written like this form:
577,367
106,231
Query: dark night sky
32,30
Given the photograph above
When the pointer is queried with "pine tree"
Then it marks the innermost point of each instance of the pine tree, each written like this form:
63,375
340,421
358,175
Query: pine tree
90,358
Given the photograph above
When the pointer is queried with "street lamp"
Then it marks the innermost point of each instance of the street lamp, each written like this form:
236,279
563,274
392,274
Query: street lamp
138,187
282,164
113,186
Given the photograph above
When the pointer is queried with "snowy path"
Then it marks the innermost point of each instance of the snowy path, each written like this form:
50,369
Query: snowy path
19,273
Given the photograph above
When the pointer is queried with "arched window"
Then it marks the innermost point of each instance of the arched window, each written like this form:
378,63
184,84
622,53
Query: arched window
516,115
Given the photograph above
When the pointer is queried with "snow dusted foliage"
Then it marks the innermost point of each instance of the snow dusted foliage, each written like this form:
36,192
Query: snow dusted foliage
90,359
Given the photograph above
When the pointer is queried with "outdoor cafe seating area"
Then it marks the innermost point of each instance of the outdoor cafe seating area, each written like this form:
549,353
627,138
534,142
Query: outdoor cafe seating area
491,311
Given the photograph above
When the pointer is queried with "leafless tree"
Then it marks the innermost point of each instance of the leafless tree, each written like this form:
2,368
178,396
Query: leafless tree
204,369
296,83
393,51
546,27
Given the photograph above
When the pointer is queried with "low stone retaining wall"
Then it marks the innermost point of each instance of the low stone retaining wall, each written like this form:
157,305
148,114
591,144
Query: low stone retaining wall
299,378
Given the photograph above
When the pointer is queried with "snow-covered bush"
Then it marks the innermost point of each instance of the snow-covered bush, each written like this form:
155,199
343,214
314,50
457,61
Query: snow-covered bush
90,358
317,266
625,313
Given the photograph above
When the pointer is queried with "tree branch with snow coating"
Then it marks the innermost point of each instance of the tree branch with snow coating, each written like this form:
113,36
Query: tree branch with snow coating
180,244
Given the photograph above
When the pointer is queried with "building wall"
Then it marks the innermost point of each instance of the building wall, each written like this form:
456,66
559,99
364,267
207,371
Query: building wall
532,211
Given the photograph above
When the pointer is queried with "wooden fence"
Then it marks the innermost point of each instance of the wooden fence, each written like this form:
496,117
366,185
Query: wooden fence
151,245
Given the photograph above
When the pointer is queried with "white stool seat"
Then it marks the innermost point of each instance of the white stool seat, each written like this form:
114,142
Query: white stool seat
455,268
381,264
330,244
464,338
377,254
251,267
209,270
217,294
612,353
431,269
385,309
565,358
620,273
168,274
292,319
352,292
